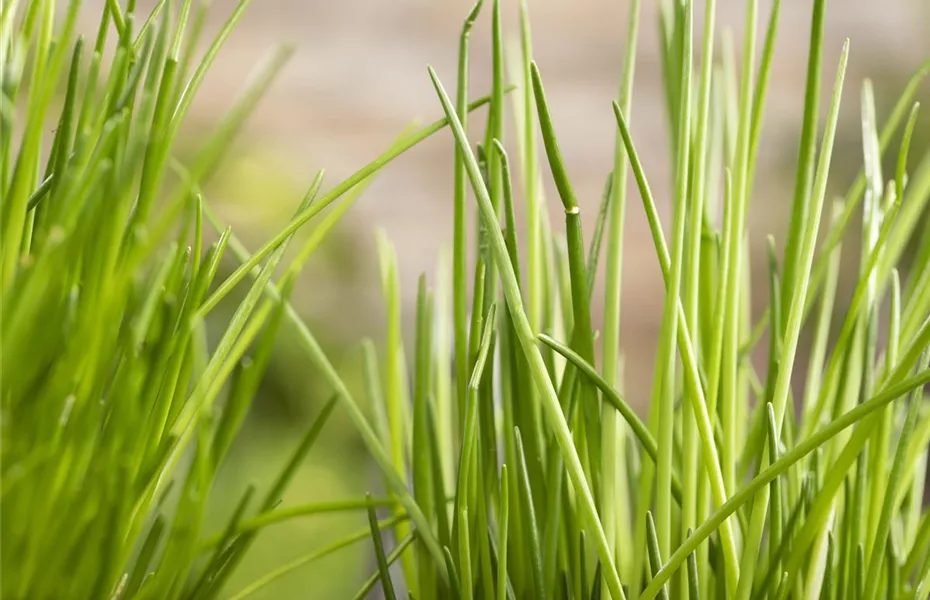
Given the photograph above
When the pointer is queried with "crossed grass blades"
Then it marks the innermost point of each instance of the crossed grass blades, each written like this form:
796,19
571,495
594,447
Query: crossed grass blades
513,465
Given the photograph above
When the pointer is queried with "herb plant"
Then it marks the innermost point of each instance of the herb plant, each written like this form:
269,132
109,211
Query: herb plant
513,463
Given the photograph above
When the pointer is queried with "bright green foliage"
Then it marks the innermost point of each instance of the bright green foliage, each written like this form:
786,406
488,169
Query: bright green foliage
724,491
520,471
117,411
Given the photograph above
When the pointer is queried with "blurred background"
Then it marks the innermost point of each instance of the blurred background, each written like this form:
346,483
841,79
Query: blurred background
358,78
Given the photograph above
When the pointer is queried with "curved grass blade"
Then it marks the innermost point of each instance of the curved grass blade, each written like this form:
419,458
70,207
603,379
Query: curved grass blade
582,336
292,566
640,430
655,554
335,193
456,588
304,510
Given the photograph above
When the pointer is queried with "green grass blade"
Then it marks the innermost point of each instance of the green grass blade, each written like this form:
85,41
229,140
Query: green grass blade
670,321
775,518
700,179
901,171
422,461
532,532
314,556
281,515
503,531
384,573
819,347
459,258
371,168
582,332
694,585
806,152
456,585
655,553
465,559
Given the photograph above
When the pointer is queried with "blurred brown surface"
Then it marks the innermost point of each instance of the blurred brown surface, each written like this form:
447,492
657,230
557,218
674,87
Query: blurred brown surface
358,77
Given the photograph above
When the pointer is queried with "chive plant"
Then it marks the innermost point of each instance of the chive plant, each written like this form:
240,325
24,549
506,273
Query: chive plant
518,469
117,409
738,484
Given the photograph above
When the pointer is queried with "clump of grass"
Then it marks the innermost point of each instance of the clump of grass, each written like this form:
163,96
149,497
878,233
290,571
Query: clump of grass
738,484
110,435
522,471
117,412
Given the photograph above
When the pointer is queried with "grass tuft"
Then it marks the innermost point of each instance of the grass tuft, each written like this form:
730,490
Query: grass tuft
521,470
